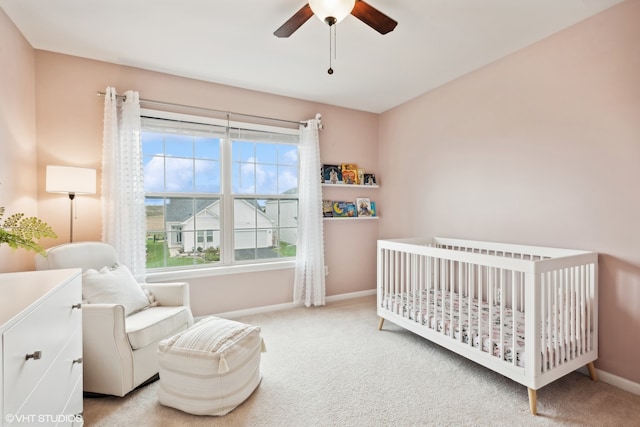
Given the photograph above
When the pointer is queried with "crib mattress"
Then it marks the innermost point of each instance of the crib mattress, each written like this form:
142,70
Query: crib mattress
449,314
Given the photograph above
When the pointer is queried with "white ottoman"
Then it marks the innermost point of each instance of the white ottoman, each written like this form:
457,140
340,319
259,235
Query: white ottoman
210,368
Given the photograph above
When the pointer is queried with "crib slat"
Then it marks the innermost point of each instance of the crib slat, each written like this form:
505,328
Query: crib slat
581,311
546,319
481,303
572,313
501,312
471,276
430,286
514,319
385,274
590,279
490,293
560,341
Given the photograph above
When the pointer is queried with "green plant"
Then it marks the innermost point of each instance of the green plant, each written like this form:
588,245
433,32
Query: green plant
19,231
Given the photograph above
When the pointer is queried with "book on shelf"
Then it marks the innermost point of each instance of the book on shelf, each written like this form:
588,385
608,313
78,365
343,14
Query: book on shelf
351,210
349,173
343,209
363,205
331,174
369,179
373,209
327,208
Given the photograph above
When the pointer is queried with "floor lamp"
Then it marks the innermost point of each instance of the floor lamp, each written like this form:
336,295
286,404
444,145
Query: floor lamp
71,181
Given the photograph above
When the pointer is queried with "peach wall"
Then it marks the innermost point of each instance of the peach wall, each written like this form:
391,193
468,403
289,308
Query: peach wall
543,148
18,171
69,132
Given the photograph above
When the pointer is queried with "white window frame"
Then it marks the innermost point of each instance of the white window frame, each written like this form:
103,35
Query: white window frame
226,265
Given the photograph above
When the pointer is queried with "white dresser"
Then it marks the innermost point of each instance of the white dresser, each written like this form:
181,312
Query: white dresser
41,326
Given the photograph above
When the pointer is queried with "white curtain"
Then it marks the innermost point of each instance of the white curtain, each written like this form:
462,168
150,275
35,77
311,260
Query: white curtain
309,284
123,214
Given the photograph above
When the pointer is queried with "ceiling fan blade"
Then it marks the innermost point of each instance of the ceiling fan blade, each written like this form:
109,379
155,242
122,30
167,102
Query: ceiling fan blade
373,17
295,22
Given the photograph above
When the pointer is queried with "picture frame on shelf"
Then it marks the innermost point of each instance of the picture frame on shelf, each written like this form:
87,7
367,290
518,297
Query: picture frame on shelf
332,174
363,206
370,179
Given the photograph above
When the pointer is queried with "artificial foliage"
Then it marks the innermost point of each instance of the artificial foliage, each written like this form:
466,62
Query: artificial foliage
19,231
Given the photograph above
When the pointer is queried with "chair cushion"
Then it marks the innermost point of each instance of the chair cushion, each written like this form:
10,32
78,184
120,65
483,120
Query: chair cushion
155,323
114,285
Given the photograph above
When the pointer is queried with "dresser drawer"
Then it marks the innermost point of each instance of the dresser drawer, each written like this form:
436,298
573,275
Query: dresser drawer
52,395
46,329
74,407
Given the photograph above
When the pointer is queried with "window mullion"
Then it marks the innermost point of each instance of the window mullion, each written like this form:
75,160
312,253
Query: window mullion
227,202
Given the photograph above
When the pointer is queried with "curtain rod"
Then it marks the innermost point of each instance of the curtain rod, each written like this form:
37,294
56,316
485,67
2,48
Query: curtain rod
211,110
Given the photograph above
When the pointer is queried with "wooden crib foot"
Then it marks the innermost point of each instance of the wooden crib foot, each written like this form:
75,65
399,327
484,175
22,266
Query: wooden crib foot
533,402
592,371
380,323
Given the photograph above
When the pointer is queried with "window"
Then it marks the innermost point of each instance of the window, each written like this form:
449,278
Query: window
218,193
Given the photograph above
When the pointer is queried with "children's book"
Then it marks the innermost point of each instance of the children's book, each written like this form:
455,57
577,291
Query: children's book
327,208
369,179
363,205
332,174
349,173
339,209
350,207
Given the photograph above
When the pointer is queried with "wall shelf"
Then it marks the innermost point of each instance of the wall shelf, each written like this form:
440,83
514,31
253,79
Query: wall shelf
351,187
349,218
358,186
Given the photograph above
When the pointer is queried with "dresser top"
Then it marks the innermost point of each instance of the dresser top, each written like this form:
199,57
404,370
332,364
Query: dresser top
20,290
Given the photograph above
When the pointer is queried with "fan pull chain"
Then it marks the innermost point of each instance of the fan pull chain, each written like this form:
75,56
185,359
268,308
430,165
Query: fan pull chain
331,46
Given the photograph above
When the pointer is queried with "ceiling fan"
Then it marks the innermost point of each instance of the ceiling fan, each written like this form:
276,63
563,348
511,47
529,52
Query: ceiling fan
333,11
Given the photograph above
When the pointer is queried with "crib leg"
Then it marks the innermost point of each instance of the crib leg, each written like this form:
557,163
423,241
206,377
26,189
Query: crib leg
380,323
592,371
533,402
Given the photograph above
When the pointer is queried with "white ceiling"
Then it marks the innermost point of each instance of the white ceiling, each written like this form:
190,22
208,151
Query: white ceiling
232,42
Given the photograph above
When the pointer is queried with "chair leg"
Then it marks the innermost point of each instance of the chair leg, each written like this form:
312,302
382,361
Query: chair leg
380,323
533,402
592,371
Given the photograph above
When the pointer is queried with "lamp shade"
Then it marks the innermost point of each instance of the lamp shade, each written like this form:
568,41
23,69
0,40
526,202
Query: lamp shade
65,179
338,9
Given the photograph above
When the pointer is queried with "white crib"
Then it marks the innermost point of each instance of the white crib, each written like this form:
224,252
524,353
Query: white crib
485,300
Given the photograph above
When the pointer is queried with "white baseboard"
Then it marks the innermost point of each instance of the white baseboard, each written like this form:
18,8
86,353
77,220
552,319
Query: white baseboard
614,380
278,307
351,295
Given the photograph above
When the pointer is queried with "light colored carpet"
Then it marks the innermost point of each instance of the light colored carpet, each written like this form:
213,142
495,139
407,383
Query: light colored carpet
330,366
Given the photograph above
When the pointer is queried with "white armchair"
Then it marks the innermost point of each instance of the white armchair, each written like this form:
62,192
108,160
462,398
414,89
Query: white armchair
120,349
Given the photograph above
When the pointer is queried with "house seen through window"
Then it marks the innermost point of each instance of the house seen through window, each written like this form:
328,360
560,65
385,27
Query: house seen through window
218,194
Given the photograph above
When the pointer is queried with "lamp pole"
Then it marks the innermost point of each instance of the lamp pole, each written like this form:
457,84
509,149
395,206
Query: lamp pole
72,196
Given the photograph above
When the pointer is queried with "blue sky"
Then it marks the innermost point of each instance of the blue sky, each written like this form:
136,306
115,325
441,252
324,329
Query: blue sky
192,163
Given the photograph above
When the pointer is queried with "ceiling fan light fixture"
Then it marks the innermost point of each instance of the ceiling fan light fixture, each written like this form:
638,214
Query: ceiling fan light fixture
325,10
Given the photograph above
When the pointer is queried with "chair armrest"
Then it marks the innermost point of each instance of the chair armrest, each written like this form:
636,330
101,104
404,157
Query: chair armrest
104,318
169,294
106,350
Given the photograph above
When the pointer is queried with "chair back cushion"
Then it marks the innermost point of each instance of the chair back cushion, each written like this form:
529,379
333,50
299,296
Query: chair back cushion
85,255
